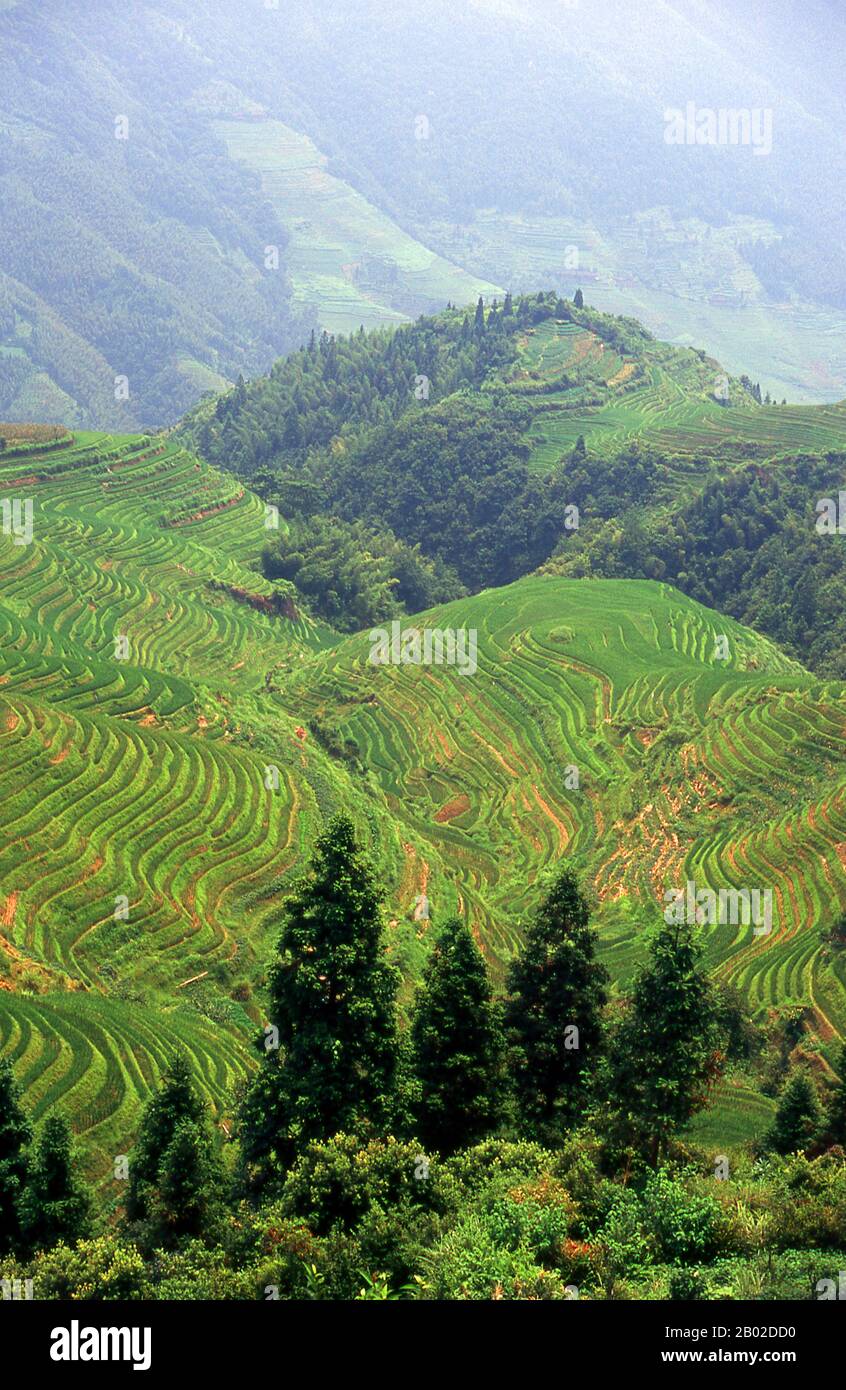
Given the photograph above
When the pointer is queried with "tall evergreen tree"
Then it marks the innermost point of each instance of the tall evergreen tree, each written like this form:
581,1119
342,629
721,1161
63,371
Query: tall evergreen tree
15,1135
175,1103
187,1200
664,1052
54,1205
333,1006
479,320
458,1045
579,299
554,1013
797,1118
835,1117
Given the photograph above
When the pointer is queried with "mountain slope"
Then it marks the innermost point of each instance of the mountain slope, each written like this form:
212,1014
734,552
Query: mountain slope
132,248
167,798
262,189
344,256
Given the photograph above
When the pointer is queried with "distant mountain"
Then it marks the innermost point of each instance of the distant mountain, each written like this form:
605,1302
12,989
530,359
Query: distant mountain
140,264
262,190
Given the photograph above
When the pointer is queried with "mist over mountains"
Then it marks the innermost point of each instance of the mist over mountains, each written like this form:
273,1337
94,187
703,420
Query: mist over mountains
188,188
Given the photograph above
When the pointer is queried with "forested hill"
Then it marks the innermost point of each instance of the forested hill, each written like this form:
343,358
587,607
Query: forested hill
469,448
132,247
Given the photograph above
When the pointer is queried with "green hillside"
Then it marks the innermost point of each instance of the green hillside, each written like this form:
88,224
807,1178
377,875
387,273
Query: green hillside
344,255
676,399
567,372
540,432
160,804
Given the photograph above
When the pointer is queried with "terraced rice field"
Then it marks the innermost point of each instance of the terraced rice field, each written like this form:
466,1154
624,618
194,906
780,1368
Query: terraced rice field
141,845
161,793
345,255
100,1059
666,399
726,772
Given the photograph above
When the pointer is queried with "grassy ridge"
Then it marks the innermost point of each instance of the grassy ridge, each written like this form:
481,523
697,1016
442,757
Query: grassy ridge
662,395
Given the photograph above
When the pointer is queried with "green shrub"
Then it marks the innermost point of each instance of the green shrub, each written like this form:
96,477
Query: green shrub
683,1223
94,1270
470,1263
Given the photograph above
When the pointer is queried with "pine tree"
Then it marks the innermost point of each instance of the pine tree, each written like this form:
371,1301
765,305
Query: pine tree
797,1118
508,305
173,1104
579,299
479,320
554,1013
54,1206
187,1199
333,1004
835,1125
15,1135
457,1045
664,1053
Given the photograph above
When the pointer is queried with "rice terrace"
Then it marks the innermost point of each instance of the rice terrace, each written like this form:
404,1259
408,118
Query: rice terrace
142,780
422,673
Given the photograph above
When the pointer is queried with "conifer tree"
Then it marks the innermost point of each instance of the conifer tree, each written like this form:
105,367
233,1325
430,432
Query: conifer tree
797,1118
479,320
187,1200
15,1135
333,1006
175,1103
579,299
554,1013
54,1205
457,1044
835,1125
664,1052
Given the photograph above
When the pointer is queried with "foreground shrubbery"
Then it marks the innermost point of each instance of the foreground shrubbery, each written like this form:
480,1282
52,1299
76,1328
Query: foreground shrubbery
499,1220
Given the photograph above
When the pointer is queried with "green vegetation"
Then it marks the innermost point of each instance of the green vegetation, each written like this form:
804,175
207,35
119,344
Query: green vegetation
556,995
180,724
457,1045
364,1214
665,1051
331,1042
354,576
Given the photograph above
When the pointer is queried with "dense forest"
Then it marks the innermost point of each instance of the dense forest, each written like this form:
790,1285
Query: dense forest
132,246
758,543
529,1146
